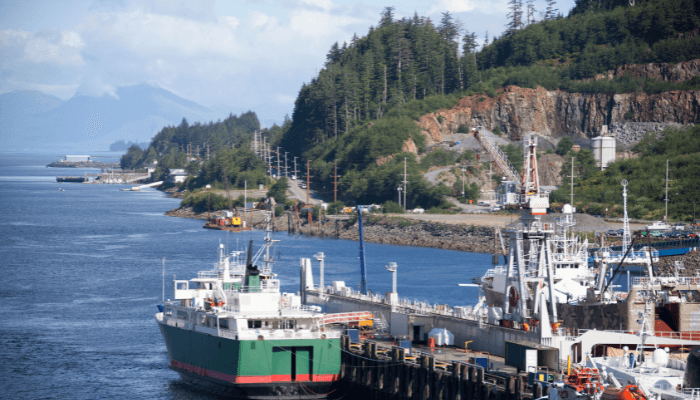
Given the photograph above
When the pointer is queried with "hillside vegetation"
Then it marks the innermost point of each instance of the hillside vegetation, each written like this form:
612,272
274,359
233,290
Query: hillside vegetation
595,191
361,107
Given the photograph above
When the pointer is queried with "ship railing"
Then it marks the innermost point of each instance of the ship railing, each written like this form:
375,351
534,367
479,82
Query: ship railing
207,274
664,280
266,286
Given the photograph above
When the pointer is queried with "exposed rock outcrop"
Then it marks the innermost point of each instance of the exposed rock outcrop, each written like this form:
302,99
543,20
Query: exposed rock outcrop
661,71
554,114
519,111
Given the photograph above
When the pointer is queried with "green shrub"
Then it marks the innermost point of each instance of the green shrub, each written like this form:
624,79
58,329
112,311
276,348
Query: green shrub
392,207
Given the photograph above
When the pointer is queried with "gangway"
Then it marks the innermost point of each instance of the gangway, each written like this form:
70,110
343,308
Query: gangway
344,318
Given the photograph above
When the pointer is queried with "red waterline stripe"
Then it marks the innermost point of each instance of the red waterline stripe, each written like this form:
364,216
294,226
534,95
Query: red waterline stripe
251,379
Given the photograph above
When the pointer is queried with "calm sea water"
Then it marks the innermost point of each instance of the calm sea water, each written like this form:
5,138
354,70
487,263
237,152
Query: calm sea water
81,277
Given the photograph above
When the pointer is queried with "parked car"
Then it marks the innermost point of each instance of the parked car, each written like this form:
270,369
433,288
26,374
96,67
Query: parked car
655,233
495,208
612,232
483,203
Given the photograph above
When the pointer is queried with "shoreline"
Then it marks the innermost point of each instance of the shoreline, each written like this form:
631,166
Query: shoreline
397,230
378,229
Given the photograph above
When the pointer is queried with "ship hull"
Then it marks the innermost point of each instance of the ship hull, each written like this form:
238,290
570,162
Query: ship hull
254,369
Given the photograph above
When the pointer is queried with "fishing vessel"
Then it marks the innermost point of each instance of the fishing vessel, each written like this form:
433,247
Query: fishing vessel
542,258
571,274
232,331
650,368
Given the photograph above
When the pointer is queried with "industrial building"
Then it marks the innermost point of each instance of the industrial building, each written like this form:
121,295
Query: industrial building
603,148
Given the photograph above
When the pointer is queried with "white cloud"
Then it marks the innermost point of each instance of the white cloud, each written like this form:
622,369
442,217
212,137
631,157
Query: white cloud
46,47
326,5
453,6
253,58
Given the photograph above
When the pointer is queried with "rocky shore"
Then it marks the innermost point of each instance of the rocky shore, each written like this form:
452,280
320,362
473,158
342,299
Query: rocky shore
379,229
410,232
84,164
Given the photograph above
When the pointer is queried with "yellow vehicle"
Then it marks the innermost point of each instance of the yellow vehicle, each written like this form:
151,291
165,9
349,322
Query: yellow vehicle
348,210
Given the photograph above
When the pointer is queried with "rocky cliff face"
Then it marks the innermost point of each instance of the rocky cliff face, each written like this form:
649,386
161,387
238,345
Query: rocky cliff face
554,114
666,72
519,111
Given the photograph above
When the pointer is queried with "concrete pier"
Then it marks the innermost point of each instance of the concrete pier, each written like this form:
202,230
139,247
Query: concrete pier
390,373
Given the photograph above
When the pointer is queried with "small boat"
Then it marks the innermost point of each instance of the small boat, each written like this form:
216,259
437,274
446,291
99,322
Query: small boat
61,190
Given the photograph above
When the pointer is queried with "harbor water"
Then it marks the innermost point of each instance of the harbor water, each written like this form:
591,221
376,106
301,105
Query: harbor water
82,275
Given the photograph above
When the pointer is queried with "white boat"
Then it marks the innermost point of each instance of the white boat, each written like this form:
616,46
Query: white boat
658,226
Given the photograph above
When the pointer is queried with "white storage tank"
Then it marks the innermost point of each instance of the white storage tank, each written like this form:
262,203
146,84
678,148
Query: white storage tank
603,149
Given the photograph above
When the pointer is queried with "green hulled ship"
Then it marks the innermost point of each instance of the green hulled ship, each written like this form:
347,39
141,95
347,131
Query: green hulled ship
232,331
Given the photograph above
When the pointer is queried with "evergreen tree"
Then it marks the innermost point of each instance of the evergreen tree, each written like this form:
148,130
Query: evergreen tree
551,12
387,17
515,16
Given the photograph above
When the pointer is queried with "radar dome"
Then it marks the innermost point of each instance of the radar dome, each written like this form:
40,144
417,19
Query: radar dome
567,209
659,358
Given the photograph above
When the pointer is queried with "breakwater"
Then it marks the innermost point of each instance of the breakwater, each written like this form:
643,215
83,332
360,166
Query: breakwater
377,229
393,375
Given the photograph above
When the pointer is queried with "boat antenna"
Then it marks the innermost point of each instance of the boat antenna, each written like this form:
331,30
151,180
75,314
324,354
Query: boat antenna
163,279
363,274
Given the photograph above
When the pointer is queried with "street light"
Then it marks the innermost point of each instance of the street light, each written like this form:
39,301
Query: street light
208,202
463,171
399,189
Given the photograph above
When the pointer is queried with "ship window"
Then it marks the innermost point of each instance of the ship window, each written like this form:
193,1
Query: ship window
182,315
254,324
223,323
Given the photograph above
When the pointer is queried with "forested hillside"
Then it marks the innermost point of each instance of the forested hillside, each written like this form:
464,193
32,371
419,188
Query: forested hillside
597,191
362,105
221,145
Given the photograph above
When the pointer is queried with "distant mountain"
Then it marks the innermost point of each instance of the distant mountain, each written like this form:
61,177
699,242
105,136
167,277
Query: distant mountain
135,113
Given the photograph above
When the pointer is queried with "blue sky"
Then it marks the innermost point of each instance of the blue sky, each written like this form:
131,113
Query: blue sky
232,56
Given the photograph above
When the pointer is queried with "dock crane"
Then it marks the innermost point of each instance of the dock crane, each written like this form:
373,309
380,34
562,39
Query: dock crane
529,261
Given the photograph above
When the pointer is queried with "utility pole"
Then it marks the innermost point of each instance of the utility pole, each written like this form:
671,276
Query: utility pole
285,163
667,181
308,180
572,181
278,160
245,201
463,170
405,183
296,173
335,184
207,152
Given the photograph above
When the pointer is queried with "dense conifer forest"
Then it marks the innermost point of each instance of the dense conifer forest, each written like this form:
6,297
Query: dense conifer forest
362,105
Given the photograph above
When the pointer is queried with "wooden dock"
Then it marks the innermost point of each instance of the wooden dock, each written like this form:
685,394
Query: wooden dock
389,373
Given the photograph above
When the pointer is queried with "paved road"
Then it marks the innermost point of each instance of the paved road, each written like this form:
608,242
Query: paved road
432,175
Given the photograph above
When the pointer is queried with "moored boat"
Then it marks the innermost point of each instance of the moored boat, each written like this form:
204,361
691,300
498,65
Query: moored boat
232,331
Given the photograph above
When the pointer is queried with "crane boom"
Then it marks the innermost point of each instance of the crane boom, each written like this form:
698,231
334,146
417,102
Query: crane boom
228,192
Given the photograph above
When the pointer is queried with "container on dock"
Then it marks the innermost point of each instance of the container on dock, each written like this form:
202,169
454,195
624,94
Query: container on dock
354,335
406,344
482,361
516,355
